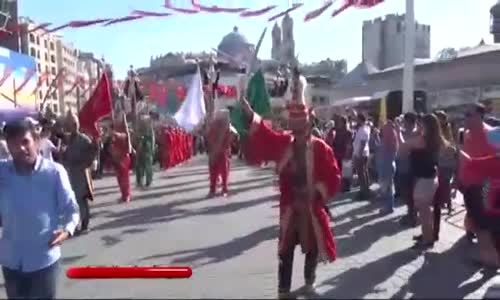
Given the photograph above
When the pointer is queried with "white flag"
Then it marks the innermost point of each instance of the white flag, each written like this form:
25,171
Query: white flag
192,111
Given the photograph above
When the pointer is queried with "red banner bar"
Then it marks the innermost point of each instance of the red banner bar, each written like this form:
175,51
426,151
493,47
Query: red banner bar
128,272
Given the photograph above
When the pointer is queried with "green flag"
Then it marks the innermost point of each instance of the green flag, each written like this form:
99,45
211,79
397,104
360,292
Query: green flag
257,97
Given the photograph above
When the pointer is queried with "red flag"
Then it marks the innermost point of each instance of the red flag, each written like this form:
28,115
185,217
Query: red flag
317,12
215,8
345,6
168,4
41,26
98,106
259,12
57,28
367,3
77,24
144,13
40,81
124,19
281,14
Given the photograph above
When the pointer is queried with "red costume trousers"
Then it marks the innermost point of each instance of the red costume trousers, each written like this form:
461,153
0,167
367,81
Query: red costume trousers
220,167
122,171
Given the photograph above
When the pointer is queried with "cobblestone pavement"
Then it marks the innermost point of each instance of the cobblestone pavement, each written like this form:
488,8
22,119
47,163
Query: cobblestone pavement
231,244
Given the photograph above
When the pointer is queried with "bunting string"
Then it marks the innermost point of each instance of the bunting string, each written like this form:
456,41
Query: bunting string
197,7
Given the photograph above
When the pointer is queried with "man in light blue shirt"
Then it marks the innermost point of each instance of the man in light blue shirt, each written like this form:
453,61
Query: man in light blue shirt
38,211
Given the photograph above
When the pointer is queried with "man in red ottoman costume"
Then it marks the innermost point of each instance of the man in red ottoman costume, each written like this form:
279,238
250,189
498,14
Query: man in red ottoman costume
219,151
308,177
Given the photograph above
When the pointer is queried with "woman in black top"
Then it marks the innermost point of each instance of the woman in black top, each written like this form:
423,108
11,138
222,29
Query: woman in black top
424,150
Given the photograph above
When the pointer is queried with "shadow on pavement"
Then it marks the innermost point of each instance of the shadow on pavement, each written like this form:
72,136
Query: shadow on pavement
72,259
222,252
203,185
357,282
110,241
362,239
442,275
165,213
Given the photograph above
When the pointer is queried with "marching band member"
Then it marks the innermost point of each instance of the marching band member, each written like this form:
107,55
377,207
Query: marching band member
121,150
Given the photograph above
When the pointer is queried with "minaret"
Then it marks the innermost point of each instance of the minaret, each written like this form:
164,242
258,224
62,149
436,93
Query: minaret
288,42
495,22
276,47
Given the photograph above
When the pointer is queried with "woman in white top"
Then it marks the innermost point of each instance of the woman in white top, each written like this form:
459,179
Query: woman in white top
46,145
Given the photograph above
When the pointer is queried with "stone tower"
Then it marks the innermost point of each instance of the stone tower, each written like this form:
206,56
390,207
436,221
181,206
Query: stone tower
276,46
288,42
384,38
495,22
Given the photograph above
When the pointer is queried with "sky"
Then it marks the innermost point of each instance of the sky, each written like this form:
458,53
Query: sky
454,23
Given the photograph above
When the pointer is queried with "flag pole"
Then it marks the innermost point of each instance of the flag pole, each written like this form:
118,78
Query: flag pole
409,68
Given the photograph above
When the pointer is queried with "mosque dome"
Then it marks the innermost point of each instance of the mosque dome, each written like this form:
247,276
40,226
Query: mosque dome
234,43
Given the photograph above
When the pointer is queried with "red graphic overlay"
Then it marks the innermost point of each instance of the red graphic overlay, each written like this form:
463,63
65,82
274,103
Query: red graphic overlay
128,272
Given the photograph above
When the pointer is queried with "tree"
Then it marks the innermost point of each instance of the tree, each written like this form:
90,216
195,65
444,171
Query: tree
335,69
447,54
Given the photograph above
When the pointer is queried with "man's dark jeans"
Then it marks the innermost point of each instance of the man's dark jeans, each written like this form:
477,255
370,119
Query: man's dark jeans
285,268
40,284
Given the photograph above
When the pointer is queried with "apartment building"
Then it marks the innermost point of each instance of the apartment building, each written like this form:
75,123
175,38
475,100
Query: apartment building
42,47
90,67
67,58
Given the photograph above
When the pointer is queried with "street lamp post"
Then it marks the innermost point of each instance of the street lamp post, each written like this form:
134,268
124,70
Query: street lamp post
408,76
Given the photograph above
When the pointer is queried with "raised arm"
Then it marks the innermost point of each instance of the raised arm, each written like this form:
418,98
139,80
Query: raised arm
263,143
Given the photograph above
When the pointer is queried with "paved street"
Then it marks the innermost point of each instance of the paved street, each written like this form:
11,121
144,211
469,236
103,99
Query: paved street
231,244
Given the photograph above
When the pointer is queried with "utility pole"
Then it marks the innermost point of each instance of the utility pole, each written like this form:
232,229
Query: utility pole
409,68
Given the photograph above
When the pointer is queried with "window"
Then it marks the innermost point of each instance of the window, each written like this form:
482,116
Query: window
51,46
54,96
38,54
41,98
38,40
32,38
46,56
46,69
54,71
39,68
53,58
54,108
41,105
45,43
33,52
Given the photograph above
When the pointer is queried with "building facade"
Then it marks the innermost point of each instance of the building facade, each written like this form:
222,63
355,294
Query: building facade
67,64
384,38
90,68
9,21
42,47
283,42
